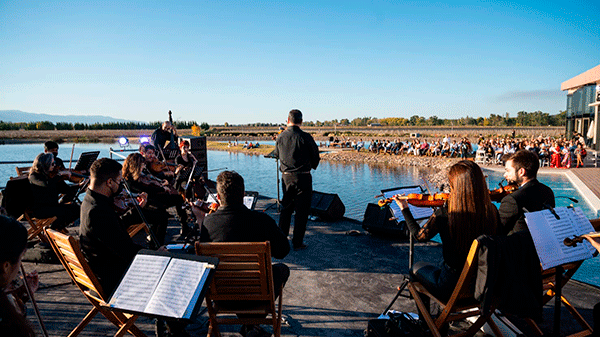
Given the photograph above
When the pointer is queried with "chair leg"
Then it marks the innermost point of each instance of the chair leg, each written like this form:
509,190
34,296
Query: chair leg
576,315
213,327
533,325
84,322
423,310
494,327
125,327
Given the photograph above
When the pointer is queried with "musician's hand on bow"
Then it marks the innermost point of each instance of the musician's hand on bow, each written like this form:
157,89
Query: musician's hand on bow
33,281
402,202
595,241
142,199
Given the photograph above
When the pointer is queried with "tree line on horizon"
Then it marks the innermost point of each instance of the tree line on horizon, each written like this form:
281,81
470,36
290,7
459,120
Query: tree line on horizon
523,118
47,125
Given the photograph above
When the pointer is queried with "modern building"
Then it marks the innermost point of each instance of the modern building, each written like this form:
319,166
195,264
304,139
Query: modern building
583,99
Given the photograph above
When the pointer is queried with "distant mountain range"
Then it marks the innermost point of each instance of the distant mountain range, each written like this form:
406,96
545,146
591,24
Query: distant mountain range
17,116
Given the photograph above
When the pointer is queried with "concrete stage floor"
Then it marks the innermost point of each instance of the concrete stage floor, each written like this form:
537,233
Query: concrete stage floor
336,286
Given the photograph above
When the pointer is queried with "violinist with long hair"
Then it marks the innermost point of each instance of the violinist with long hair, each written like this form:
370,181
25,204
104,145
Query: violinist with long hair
160,192
46,186
468,214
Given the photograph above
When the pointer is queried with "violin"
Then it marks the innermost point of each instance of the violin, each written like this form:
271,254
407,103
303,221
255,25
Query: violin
502,191
439,199
572,242
123,202
419,200
207,207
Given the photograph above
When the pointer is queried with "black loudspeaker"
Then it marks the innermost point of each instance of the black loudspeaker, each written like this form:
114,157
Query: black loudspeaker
327,206
379,220
198,149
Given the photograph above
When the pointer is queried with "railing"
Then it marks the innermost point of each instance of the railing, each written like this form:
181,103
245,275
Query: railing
116,153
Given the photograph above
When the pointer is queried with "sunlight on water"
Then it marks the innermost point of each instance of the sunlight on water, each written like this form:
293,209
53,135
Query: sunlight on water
355,184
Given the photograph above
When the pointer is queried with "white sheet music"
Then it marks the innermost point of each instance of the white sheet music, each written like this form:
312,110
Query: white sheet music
140,280
248,201
548,234
417,212
177,287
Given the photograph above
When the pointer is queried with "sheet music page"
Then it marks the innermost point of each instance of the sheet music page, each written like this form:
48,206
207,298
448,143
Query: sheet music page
548,234
248,202
583,226
417,212
139,282
177,288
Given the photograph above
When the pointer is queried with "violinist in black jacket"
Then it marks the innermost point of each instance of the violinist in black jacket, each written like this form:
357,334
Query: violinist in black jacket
46,186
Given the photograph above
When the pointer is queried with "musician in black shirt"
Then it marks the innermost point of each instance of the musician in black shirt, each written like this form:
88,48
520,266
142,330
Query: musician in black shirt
298,154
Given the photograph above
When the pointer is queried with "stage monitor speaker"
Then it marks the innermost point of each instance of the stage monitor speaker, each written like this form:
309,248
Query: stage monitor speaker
327,206
379,220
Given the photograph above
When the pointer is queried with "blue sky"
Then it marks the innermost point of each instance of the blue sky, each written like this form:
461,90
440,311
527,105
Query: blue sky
250,61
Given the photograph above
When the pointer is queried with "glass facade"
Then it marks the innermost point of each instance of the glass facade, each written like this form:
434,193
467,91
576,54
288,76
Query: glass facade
578,103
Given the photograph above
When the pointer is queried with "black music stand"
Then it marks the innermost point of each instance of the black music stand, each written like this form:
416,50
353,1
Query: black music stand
85,161
419,213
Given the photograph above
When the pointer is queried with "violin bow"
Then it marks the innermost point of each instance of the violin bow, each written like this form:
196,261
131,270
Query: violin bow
71,160
137,207
35,307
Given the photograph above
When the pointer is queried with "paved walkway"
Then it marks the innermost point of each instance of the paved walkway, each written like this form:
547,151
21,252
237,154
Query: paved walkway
335,287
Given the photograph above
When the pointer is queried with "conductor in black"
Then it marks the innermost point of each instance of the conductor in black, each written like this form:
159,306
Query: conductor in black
298,154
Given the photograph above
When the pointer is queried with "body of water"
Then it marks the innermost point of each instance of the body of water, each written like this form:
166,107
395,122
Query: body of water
356,184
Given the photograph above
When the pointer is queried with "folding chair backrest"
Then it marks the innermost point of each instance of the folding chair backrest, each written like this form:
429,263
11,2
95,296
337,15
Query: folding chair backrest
244,271
17,196
466,282
69,253
22,170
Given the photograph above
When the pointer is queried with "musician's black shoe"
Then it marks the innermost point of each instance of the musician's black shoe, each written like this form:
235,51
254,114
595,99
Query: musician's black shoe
301,247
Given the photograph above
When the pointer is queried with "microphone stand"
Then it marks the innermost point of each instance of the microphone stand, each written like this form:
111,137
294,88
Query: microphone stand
139,210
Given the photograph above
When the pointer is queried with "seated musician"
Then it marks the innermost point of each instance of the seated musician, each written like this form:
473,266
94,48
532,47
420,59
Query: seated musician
46,186
165,133
105,243
160,193
233,222
156,167
52,147
185,161
13,243
469,213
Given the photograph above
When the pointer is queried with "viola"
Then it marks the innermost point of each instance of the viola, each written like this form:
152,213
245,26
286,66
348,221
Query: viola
572,242
159,166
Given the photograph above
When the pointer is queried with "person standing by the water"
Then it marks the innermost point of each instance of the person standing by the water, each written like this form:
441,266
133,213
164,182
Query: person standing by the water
298,154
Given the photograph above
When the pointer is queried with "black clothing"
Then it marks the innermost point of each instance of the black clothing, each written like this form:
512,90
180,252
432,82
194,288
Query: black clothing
104,241
45,192
297,196
532,196
509,272
298,153
159,198
441,280
296,150
180,161
159,139
239,224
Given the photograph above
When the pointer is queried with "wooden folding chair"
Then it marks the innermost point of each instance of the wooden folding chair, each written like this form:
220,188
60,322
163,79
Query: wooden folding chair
550,289
244,274
461,304
36,226
69,253
21,170
134,229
